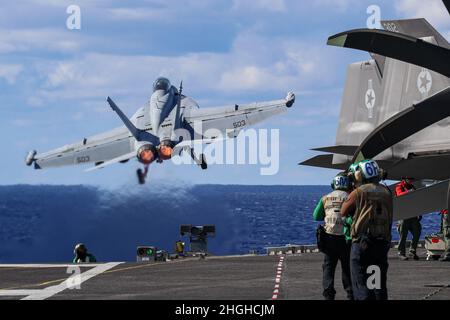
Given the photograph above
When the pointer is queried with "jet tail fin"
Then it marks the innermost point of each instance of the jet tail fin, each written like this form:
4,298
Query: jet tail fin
134,131
138,134
447,4
417,28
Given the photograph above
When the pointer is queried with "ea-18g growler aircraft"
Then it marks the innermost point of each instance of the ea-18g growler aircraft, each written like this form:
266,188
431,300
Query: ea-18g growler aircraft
153,133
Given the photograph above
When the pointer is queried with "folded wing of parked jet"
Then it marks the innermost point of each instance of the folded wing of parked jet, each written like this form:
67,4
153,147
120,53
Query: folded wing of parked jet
396,109
397,46
340,149
324,161
428,199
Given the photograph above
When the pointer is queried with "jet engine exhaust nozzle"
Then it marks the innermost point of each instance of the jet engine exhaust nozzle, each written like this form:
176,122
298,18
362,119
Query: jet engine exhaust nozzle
146,154
165,151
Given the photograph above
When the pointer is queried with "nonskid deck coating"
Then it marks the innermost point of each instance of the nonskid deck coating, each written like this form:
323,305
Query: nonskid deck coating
234,277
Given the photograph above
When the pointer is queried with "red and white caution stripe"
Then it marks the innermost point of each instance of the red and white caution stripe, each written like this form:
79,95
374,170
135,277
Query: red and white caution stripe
276,290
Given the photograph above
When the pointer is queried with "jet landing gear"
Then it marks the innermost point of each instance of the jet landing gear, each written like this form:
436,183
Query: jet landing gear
142,175
201,162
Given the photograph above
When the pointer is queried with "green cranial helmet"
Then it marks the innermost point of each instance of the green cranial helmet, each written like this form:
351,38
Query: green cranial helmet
353,167
351,173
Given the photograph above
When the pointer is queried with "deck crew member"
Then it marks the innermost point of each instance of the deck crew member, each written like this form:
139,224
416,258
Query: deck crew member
405,226
82,255
336,248
179,248
371,206
446,232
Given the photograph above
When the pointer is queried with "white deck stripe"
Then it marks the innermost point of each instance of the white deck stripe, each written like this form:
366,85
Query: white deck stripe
50,265
71,282
24,292
276,290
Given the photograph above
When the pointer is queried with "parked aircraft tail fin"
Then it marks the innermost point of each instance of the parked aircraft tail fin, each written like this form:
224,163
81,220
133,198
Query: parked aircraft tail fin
380,88
417,28
447,4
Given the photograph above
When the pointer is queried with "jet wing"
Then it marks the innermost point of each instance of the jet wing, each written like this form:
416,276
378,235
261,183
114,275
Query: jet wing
326,161
419,166
397,46
429,199
323,161
96,149
122,158
231,120
341,149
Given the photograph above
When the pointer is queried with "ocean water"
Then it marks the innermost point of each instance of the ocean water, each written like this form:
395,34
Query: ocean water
43,223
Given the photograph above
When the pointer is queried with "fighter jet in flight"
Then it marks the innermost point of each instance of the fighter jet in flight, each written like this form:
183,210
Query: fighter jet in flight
396,109
165,127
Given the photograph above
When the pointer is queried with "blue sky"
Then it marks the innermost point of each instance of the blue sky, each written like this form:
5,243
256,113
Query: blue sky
54,81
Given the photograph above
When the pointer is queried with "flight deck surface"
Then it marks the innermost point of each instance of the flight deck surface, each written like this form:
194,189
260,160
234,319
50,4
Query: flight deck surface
234,277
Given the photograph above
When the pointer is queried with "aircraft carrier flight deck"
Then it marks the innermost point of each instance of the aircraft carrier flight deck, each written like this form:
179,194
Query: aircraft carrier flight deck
247,277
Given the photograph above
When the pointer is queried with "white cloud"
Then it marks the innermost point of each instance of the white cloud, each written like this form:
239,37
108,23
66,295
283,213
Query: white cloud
34,101
64,73
246,78
22,40
137,13
77,116
254,64
340,5
295,122
432,10
329,110
164,10
22,123
54,3
10,72
265,5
